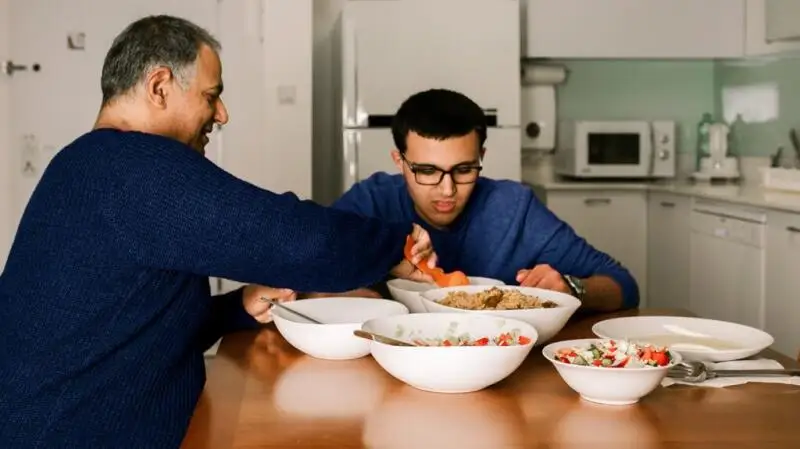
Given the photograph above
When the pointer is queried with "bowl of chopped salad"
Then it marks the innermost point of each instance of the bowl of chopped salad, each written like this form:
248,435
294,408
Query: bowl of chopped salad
612,372
453,352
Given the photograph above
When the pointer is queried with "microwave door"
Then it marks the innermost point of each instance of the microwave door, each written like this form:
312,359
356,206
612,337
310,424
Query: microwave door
617,154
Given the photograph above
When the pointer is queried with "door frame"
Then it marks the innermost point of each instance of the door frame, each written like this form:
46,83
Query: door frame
6,176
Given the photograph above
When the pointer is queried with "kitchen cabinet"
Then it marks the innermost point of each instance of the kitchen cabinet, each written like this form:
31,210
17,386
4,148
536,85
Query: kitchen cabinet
613,221
765,21
783,281
727,263
668,250
634,28
781,20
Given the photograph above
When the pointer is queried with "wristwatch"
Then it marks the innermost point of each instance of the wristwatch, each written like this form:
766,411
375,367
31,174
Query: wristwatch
575,285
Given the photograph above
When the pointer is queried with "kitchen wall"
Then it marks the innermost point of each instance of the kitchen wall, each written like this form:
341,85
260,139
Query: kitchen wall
767,94
649,89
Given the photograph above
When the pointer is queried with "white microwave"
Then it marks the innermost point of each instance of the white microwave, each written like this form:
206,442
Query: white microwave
615,149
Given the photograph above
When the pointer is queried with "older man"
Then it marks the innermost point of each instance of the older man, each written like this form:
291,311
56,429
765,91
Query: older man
105,308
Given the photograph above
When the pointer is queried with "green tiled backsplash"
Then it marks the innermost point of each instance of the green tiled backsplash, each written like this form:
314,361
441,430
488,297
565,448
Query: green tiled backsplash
682,90
762,138
639,89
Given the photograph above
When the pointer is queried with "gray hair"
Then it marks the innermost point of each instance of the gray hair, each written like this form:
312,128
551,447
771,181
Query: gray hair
150,42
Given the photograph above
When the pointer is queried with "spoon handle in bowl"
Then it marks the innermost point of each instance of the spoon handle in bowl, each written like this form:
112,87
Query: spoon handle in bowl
379,338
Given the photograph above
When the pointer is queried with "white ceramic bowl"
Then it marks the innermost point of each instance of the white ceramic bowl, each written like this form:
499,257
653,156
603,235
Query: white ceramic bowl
698,339
548,322
449,369
407,292
333,340
610,386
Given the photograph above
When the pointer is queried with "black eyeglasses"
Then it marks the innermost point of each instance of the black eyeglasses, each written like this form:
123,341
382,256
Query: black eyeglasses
430,175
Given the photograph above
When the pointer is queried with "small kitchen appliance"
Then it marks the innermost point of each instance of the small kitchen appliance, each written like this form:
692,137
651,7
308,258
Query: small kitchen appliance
717,164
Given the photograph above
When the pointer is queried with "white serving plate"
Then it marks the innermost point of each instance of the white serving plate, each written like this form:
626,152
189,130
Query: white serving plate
699,339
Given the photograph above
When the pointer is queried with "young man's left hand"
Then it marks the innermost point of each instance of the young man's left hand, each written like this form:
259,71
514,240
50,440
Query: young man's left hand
542,276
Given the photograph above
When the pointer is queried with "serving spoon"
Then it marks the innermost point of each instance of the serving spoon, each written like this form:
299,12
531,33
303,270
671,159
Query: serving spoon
380,338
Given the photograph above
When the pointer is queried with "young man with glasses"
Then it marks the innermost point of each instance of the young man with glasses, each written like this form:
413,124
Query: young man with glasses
484,227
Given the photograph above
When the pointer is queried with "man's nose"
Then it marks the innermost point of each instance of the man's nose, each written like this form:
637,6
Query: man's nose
221,114
447,187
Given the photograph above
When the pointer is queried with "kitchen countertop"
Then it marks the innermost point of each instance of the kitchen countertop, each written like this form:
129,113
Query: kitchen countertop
263,393
744,194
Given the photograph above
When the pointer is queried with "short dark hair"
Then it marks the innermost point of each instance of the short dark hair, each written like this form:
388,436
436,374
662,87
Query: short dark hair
438,114
150,42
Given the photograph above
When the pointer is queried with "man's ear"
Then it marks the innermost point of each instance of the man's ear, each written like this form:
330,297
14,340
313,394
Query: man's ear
157,85
482,153
398,159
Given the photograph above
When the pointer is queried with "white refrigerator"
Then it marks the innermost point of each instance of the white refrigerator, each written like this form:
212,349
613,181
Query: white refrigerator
386,51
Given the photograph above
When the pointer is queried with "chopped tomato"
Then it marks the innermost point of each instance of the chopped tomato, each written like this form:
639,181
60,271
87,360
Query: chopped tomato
660,358
482,341
504,339
597,362
447,343
523,340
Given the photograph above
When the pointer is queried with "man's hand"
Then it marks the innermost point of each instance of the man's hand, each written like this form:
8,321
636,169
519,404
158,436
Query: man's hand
262,310
543,276
422,249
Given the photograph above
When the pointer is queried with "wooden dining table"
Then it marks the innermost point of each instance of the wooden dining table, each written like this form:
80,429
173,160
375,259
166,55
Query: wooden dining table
263,393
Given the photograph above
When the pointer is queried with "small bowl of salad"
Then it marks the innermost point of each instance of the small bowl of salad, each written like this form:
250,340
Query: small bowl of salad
612,372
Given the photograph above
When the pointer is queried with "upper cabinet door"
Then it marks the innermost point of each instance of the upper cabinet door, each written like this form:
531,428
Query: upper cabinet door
635,28
782,20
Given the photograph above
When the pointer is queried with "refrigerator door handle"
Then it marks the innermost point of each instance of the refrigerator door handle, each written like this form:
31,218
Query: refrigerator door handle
349,73
352,139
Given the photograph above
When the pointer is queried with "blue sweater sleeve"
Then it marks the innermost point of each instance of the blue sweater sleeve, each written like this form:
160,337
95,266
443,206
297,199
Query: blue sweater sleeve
357,200
227,315
175,210
569,253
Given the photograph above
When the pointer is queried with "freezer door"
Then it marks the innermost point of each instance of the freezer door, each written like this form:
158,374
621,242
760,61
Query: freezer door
392,49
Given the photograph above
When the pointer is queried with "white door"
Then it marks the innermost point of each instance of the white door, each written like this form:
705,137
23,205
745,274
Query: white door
56,98
62,45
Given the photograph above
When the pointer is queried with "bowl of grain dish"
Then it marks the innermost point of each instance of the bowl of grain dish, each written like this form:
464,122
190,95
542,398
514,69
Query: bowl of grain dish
546,310
407,291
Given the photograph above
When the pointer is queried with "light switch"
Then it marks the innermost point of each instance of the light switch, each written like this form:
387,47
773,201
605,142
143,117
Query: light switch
287,94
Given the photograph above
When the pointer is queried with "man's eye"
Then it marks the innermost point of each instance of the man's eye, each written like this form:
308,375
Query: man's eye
426,170
464,170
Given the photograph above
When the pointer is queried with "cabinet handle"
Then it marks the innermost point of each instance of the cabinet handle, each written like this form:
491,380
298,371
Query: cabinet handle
793,229
593,201
667,204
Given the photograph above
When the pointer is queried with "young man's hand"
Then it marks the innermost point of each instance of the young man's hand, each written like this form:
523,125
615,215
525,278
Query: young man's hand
543,276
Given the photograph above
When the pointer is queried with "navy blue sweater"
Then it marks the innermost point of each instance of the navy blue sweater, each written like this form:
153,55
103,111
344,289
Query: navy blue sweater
105,307
503,229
